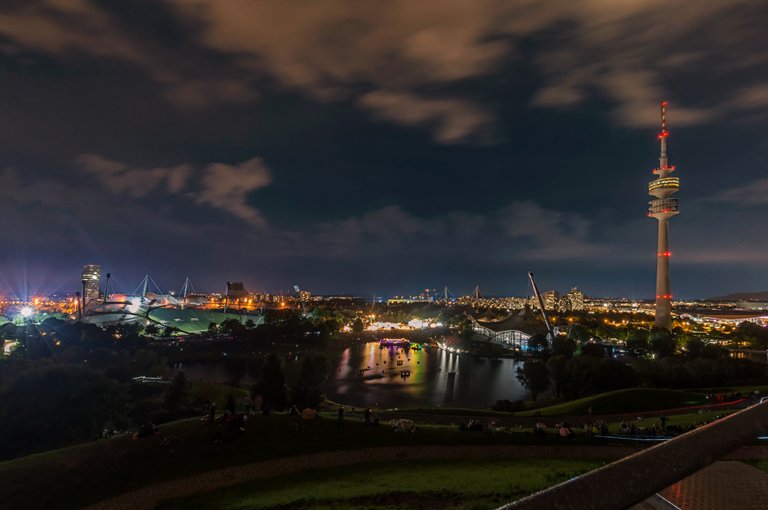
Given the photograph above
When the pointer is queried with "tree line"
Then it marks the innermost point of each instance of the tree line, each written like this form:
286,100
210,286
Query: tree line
573,367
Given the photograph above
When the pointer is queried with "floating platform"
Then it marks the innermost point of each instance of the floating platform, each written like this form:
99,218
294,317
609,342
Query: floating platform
394,342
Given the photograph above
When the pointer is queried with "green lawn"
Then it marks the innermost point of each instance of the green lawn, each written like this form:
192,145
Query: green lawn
623,401
458,485
759,464
680,420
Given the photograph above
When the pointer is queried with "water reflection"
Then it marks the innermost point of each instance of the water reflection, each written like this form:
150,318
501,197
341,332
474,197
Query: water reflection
365,375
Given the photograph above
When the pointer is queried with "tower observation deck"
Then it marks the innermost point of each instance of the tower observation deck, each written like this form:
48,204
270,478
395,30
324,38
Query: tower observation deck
663,207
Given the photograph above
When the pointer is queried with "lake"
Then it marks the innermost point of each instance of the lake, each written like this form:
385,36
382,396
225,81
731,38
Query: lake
364,375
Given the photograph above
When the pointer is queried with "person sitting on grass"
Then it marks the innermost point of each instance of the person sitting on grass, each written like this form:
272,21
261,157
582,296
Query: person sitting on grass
566,432
309,414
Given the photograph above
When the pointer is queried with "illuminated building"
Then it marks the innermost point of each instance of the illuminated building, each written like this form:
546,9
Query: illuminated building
511,331
551,299
235,292
91,280
662,208
576,299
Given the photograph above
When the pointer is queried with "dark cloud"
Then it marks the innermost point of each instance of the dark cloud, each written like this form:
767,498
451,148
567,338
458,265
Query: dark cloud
751,194
121,179
227,187
412,144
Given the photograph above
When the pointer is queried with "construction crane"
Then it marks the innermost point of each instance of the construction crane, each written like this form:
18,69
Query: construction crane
476,295
302,302
551,332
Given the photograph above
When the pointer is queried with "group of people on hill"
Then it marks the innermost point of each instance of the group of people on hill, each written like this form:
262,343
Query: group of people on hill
229,425
474,426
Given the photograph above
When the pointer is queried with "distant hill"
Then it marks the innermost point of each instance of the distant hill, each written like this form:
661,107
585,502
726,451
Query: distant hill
742,296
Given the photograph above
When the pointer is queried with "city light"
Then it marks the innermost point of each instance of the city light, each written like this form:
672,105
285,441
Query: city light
26,311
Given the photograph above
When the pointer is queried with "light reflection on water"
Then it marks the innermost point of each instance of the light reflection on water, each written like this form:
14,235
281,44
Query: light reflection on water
365,375
476,382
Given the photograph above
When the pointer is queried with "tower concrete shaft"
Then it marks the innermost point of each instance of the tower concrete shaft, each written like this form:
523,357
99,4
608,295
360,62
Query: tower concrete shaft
662,208
663,292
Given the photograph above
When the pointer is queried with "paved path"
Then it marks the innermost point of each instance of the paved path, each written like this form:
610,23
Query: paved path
724,485
147,498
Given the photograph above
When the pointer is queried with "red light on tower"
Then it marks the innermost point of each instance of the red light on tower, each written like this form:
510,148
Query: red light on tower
664,133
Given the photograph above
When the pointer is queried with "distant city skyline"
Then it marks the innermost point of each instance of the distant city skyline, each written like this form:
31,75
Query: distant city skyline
350,152
120,286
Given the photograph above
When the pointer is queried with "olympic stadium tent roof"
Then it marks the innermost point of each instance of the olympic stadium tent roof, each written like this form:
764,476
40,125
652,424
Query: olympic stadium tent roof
524,321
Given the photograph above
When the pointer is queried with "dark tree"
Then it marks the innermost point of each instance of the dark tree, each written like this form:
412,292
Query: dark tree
562,346
175,397
714,351
271,383
538,343
556,366
308,391
662,342
637,343
534,376
333,326
592,349
54,407
756,336
232,327
579,333
358,326
694,347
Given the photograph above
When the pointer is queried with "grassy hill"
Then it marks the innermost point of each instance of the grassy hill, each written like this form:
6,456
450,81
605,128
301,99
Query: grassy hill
622,401
459,485
77,476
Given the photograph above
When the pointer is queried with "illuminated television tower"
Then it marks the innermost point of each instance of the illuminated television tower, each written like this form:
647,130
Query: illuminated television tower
663,208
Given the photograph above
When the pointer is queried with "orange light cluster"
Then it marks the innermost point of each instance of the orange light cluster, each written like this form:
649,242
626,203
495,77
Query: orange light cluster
664,254
665,296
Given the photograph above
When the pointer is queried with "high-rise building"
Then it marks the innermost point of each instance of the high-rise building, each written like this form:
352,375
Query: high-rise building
551,299
235,292
576,299
662,208
91,280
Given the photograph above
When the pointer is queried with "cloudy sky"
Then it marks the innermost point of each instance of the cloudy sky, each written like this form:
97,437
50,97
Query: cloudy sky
381,147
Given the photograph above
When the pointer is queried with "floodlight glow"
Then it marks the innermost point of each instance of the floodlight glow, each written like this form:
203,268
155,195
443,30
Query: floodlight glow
27,311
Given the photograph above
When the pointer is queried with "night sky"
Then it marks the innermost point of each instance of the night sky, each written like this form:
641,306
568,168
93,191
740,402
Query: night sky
381,147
